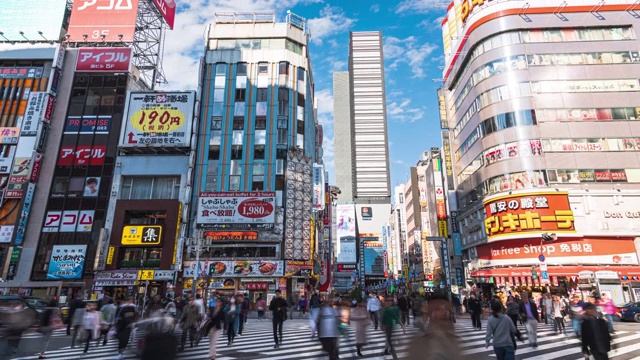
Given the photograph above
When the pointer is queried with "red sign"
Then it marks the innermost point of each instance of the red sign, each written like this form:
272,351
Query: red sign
167,9
325,275
257,286
35,169
255,208
102,21
603,175
82,155
104,59
572,271
618,175
440,210
48,111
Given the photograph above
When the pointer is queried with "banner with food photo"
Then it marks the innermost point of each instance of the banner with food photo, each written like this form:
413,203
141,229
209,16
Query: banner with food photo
246,268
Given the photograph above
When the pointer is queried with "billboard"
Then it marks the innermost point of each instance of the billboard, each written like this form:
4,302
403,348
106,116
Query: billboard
88,124
67,262
33,113
528,213
19,72
142,235
346,233
32,20
243,268
373,255
231,235
167,9
564,251
236,209
68,221
159,119
82,155
298,268
102,21
318,187
103,59
347,253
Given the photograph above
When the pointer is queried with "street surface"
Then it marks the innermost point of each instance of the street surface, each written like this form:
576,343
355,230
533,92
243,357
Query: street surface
257,343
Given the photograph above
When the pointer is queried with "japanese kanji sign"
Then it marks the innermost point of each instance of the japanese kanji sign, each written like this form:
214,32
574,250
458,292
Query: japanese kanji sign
157,119
104,59
102,21
142,235
535,213
236,209
67,262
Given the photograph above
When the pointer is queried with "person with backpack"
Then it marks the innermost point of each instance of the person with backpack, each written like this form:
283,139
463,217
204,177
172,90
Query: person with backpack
189,323
502,330
328,330
278,308
125,318
314,308
45,325
107,319
261,306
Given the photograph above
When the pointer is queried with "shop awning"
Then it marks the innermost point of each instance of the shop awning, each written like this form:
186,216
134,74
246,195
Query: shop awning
628,271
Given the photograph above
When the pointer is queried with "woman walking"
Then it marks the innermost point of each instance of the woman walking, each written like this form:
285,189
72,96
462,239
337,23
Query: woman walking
261,306
502,331
557,311
217,318
231,320
91,325
360,318
45,326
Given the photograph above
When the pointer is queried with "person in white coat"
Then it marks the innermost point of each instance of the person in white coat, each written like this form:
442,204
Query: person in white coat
373,306
91,325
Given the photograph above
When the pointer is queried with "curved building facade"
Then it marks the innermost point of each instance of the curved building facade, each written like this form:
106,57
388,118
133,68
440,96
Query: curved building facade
543,102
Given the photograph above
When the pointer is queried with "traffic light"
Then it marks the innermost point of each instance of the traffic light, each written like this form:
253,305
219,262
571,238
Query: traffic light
534,274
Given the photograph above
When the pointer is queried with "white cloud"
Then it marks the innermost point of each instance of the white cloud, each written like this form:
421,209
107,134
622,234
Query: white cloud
420,6
402,111
374,8
408,51
324,100
332,21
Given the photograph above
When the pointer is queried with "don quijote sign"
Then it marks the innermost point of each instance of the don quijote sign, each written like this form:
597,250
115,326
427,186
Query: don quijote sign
236,209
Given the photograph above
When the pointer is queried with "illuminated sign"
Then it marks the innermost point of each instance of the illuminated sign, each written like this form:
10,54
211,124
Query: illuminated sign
440,210
528,213
467,7
31,20
68,221
142,235
82,155
442,107
104,59
443,231
167,9
231,235
103,21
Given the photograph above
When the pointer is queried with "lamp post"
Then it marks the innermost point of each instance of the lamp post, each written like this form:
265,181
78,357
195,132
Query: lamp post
196,243
544,276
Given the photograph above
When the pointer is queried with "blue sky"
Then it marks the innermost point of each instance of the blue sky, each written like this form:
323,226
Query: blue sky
412,50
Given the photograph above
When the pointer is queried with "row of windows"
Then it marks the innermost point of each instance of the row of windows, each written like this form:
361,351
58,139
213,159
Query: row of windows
255,44
525,89
520,62
593,175
262,69
587,114
591,144
548,35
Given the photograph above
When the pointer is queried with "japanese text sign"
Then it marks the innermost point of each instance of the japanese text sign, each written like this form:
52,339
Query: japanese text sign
82,155
9,135
21,72
157,119
231,235
535,213
67,262
226,209
102,21
33,113
68,221
142,235
167,9
104,59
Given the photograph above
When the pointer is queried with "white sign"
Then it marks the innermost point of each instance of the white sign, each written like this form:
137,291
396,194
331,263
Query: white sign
6,232
318,187
69,221
606,274
24,20
163,275
159,119
33,113
347,253
243,209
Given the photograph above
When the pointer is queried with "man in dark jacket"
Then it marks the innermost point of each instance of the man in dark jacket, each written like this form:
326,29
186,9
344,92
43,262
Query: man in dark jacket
278,308
530,317
403,305
596,339
75,304
475,308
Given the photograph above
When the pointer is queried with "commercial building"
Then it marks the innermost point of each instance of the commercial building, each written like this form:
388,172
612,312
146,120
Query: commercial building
542,105
343,141
256,150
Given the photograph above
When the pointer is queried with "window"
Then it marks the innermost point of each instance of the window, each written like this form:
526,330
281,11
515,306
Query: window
238,137
261,137
262,94
258,152
221,69
300,127
236,167
216,137
300,141
300,74
234,182
282,122
301,99
281,153
140,258
216,123
263,68
239,109
261,108
261,122
238,123
218,109
241,95
280,167
283,68
149,187
236,152
214,152
279,182
282,137
283,94
242,69
257,183
218,95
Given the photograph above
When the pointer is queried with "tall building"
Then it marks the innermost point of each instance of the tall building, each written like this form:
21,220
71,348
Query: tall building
343,142
255,152
543,108
370,145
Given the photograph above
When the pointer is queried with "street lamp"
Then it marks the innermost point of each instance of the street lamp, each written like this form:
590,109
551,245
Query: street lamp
546,237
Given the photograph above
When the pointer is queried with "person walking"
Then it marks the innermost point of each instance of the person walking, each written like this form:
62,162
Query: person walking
596,339
189,322
45,326
302,304
278,308
529,314
170,308
609,310
216,323
153,306
125,318
91,324
328,330
576,312
242,315
403,305
107,319
501,329
373,306
261,306
547,306
360,319
557,311
390,317
179,307
75,304
202,310
314,308
77,321
475,308
231,320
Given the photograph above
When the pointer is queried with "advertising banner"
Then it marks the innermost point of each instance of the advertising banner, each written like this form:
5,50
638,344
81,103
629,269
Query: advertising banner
564,251
442,106
373,255
167,9
82,155
103,21
9,135
31,20
253,268
448,165
347,254
318,187
33,113
103,59
24,216
5,162
457,244
68,221
18,178
324,281
298,268
528,213
89,124
231,235
346,232
6,232
116,278
159,119
142,235
67,262
35,169
236,209
20,72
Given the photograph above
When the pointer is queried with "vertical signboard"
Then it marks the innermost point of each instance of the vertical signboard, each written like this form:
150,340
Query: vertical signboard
346,232
24,217
446,153
103,21
318,187
442,107
167,9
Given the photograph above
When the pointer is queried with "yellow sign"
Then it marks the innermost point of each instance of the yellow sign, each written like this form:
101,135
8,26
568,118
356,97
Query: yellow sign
175,243
406,271
442,228
146,275
142,235
110,255
158,119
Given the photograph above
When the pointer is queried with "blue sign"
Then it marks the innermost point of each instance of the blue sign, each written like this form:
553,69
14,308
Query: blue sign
545,275
24,217
541,257
373,256
457,244
67,262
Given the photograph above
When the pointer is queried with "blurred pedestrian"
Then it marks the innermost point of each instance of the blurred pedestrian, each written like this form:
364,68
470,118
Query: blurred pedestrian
244,311
547,305
302,304
360,319
373,306
557,312
45,325
91,324
232,320
390,317
529,314
107,320
576,312
475,308
596,339
314,308
439,341
608,309
403,305
125,318
261,306
278,308
189,322
216,323
501,329
328,330
75,304
76,322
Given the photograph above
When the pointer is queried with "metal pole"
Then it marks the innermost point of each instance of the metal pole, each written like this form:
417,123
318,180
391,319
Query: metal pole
198,248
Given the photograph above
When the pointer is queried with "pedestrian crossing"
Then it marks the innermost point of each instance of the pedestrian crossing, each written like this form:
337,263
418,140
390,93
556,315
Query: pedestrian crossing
626,344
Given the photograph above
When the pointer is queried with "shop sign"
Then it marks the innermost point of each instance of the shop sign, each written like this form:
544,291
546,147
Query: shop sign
67,262
257,286
146,275
520,214
102,21
586,274
9,135
442,228
442,107
366,212
24,216
231,235
6,232
232,209
167,9
440,210
467,6
110,253
318,187
69,221
606,274
163,274
142,235
620,214
88,124
20,72
346,267
298,268
116,278
82,155
235,268
33,113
